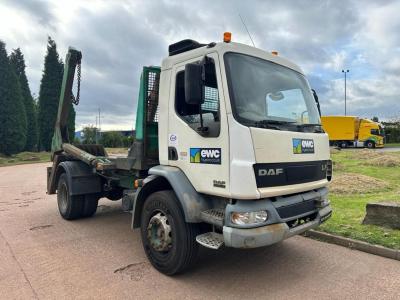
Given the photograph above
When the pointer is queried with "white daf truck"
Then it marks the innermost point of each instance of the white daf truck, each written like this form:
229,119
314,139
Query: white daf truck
229,151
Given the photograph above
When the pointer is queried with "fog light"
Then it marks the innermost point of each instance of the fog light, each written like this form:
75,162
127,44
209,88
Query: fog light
247,218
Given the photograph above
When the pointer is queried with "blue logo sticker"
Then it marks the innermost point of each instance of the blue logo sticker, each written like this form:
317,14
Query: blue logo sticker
303,146
205,156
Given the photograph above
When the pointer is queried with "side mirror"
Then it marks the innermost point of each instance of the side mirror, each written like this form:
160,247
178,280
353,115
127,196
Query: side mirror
194,84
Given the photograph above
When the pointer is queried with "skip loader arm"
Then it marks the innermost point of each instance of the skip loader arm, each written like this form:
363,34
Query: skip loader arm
61,148
60,136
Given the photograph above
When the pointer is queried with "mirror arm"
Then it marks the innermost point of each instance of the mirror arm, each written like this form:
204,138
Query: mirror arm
316,101
203,129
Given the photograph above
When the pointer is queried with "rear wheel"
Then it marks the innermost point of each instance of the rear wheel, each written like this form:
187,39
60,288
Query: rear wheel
70,207
74,207
169,242
90,205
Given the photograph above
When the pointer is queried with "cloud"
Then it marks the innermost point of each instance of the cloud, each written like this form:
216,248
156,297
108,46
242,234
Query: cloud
118,38
36,10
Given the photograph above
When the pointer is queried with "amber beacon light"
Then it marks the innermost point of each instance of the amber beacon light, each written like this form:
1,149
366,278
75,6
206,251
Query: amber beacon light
227,37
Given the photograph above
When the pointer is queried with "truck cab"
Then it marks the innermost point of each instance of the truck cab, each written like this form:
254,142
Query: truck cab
371,134
229,151
260,126
352,131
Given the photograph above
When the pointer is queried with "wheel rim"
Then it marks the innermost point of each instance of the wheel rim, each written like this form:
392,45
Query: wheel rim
159,233
63,198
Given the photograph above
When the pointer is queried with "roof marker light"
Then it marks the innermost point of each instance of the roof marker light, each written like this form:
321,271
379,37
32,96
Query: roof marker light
274,52
227,37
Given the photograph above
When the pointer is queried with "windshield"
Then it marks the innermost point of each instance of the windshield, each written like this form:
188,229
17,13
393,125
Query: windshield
263,92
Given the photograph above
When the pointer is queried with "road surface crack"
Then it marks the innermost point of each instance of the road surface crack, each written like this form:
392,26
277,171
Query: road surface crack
40,227
19,265
134,271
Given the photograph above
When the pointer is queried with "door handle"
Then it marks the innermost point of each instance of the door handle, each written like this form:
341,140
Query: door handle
172,153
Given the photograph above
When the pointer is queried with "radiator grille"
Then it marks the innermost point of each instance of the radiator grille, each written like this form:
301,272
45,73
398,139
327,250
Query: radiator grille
294,210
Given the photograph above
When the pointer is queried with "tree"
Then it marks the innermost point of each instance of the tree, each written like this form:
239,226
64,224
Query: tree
89,135
375,119
50,88
12,111
112,139
18,63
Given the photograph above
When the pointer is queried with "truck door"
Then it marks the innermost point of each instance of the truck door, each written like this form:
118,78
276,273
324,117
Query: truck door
203,155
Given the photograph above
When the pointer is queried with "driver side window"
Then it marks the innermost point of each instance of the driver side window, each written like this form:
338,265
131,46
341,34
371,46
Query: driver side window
209,109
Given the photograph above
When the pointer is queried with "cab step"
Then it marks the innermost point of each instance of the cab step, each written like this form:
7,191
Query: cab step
210,240
213,216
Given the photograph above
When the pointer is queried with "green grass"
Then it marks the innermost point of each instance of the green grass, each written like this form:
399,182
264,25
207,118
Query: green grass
349,210
38,157
24,158
392,145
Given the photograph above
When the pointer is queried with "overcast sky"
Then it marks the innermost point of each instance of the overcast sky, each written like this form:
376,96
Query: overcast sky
118,37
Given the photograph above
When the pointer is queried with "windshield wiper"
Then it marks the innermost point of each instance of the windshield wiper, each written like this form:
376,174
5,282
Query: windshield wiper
319,130
266,125
269,124
277,122
309,125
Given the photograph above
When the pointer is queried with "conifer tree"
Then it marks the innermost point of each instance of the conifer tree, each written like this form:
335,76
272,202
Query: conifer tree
49,94
12,110
18,63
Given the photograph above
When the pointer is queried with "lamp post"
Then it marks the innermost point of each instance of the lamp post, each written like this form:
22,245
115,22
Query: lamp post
345,86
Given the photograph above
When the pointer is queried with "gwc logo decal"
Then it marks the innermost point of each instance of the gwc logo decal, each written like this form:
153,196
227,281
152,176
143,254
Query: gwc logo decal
205,156
303,146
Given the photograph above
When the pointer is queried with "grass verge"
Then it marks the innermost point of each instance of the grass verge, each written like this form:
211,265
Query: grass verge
38,157
24,158
349,203
392,145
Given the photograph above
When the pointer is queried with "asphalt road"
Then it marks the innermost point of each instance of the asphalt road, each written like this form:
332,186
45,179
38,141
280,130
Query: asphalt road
388,149
44,257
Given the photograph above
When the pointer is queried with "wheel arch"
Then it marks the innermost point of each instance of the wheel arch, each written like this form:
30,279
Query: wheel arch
81,178
170,178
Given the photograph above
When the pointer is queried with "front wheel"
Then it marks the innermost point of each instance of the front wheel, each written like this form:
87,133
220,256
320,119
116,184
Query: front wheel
370,144
169,242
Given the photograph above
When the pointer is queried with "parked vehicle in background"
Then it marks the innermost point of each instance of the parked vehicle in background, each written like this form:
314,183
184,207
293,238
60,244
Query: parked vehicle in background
350,131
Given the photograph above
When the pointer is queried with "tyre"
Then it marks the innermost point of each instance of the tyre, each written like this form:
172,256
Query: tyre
70,207
89,206
168,241
370,144
343,145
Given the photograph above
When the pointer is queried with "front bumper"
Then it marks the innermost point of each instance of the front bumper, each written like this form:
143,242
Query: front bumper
281,224
269,234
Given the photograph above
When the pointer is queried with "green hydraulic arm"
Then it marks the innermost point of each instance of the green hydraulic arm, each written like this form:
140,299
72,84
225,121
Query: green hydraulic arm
61,148
72,62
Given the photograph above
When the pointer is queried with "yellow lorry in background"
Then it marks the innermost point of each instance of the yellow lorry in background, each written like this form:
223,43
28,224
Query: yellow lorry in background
349,131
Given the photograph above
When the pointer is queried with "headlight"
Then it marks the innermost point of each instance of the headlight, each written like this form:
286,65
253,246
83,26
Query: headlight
247,218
